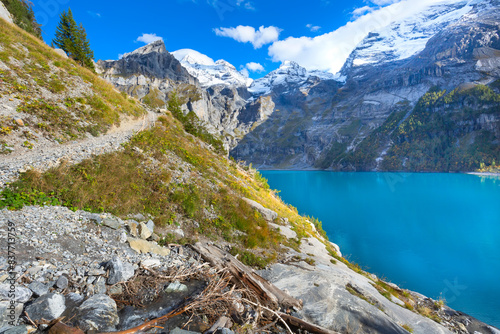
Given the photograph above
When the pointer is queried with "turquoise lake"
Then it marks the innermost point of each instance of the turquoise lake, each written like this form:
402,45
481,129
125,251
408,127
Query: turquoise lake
437,234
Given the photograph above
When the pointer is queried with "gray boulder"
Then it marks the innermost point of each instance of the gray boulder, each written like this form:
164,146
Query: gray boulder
99,312
22,294
62,282
113,222
119,271
50,306
268,214
38,288
61,53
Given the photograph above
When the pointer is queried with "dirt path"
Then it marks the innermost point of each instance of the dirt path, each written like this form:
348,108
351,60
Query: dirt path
44,157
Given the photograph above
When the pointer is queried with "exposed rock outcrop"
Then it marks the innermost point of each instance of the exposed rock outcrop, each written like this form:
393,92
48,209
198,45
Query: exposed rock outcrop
4,14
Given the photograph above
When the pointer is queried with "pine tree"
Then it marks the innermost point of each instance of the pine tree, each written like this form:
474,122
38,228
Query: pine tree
65,34
73,40
84,52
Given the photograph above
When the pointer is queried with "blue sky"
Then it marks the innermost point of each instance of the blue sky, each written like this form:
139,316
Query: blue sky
316,33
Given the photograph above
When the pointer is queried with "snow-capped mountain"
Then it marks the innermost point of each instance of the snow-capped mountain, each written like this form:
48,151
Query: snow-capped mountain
288,73
408,35
210,72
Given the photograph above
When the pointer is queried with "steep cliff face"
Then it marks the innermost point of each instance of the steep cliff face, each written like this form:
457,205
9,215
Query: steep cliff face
215,91
147,70
350,127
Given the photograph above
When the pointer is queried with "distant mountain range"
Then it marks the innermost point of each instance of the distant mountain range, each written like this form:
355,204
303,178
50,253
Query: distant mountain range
419,94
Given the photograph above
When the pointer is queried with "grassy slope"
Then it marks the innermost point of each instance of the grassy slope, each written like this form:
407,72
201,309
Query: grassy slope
163,171
58,99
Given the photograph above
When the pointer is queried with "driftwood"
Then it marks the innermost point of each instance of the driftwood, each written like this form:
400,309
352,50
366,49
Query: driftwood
268,294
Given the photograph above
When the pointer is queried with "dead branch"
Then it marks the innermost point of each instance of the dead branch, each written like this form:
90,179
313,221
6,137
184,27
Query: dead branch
267,293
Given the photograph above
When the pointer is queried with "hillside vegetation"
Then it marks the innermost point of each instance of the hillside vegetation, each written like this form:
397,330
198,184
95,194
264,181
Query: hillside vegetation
163,171
454,130
23,15
52,96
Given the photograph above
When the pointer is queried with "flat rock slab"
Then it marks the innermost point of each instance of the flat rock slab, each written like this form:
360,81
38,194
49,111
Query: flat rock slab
268,214
143,247
285,231
328,303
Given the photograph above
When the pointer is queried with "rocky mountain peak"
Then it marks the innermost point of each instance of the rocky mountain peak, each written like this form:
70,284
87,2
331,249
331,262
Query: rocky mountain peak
289,73
155,47
210,72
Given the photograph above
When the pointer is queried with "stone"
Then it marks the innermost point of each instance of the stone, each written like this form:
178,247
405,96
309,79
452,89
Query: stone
176,287
144,247
151,225
4,14
38,288
62,282
19,121
150,263
61,53
50,306
132,228
123,238
9,314
144,231
98,313
113,223
22,294
17,330
73,300
267,214
119,271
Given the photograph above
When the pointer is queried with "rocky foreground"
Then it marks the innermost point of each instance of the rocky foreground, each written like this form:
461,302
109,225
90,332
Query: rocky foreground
99,273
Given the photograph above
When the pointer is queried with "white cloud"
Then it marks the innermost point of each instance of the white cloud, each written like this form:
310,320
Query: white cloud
313,28
361,11
329,51
384,2
247,34
254,67
120,55
149,38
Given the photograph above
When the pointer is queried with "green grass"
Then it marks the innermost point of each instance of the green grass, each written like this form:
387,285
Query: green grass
125,182
33,65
